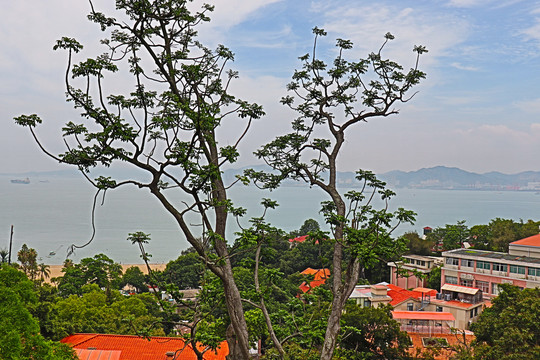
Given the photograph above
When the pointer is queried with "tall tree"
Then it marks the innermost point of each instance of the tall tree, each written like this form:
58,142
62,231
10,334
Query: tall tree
19,330
28,260
166,127
330,100
371,333
509,329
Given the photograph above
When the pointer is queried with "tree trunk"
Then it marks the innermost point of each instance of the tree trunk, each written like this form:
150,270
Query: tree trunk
239,341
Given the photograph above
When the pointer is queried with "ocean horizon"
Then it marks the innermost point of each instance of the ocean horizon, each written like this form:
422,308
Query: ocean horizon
50,214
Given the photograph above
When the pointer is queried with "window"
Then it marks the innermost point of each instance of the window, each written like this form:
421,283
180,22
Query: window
452,261
450,280
410,306
465,282
483,265
467,263
495,289
471,314
534,272
500,267
420,262
438,309
517,269
483,285
475,311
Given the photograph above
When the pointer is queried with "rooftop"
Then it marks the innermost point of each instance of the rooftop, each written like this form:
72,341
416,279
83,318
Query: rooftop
130,347
319,278
492,255
399,295
529,241
443,353
460,289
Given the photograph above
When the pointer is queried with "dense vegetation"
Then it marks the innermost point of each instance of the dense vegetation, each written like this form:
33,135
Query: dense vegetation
169,127
94,296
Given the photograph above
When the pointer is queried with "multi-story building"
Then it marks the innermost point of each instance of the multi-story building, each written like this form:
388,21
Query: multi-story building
486,270
462,303
403,273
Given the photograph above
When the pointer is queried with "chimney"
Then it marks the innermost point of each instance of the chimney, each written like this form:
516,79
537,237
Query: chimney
379,290
169,355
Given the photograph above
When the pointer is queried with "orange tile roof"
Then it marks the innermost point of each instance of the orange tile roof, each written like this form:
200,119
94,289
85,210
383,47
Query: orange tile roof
455,303
399,294
444,353
137,348
423,315
85,354
528,241
319,278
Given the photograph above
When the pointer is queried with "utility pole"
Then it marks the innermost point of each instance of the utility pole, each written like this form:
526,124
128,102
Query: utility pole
10,243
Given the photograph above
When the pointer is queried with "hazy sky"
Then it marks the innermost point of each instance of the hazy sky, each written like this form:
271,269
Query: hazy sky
479,108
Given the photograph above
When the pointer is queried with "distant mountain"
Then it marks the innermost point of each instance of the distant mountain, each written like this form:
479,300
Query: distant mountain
442,177
438,178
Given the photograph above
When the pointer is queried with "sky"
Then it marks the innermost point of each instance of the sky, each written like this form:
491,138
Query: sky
478,109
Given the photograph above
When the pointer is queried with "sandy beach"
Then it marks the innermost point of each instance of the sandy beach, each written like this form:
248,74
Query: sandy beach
56,270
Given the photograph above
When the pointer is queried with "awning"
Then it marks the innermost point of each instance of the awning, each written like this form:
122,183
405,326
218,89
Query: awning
460,289
422,315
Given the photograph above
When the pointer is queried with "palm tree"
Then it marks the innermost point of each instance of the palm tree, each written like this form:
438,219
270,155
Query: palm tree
4,256
45,271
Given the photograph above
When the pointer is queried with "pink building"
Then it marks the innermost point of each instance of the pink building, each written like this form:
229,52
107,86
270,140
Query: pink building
402,273
486,270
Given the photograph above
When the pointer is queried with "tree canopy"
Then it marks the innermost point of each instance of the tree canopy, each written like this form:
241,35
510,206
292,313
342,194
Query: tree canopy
167,127
509,329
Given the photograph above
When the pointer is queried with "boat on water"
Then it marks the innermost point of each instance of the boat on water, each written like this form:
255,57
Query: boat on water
20,181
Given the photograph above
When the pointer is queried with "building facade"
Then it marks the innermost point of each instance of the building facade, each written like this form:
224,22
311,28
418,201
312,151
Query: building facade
404,273
486,270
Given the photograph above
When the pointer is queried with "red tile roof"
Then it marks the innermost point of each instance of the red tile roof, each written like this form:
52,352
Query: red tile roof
299,239
319,278
455,303
85,354
529,241
137,348
400,295
443,353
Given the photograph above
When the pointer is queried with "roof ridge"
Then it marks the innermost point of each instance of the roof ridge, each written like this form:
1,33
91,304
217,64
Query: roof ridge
89,336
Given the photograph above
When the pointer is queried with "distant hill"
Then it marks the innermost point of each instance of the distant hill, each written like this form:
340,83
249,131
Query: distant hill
437,178
442,177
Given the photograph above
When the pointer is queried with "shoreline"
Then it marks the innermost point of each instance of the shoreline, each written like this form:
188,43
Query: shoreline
56,270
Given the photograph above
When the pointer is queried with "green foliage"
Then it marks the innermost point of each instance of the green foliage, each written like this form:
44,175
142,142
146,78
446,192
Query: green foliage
28,261
133,276
94,312
19,330
434,278
371,333
100,270
510,328
494,236
417,245
185,272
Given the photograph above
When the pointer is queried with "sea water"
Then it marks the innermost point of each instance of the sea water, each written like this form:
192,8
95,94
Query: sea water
51,214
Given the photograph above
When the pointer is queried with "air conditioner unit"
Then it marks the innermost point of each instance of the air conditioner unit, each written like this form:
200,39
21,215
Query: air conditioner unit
439,296
447,297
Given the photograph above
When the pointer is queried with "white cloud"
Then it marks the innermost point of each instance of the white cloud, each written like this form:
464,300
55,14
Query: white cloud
478,3
228,13
532,32
528,106
366,26
464,67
